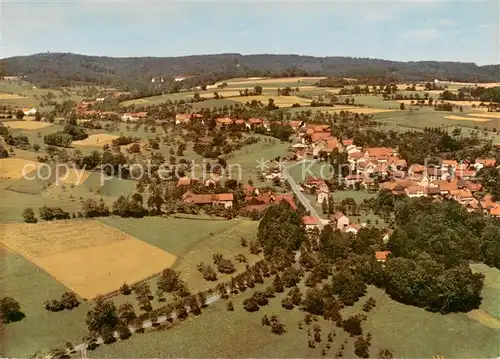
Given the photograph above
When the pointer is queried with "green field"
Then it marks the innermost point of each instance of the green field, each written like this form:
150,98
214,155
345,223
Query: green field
31,96
193,241
40,329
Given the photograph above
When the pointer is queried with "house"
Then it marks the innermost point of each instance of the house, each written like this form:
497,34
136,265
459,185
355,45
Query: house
379,153
185,181
415,191
224,121
255,121
353,228
182,118
29,111
351,180
133,117
446,186
465,174
495,211
387,235
225,199
462,196
381,256
321,196
416,169
484,162
313,181
310,222
340,220
396,163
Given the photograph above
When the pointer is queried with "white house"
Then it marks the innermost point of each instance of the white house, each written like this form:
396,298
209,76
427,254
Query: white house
29,111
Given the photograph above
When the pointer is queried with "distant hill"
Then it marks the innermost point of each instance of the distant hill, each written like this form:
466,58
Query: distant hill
57,69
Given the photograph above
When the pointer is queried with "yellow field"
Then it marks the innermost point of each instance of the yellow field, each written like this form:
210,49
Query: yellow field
484,318
360,110
27,125
460,118
74,177
88,257
96,140
13,167
280,101
486,115
465,103
262,81
10,96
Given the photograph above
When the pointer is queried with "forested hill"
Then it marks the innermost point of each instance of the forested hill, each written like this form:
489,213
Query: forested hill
55,69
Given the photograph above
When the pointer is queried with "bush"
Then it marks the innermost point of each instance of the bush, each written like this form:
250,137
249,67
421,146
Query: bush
125,289
123,332
29,216
250,305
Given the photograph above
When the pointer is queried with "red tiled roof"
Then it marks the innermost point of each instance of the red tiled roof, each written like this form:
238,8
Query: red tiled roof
495,211
311,221
487,162
183,181
254,121
382,255
379,152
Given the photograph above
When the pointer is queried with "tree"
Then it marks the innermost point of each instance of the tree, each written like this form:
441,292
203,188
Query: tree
10,310
125,289
126,313
258,90
69,300
362,346
280,227
19,115
29,216
101,316
402,106
313,301
230,306
385,354
36,147
123,332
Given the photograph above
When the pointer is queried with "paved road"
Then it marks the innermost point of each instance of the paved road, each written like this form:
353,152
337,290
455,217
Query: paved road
300,195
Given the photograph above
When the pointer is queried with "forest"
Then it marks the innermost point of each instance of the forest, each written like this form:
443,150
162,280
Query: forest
63,69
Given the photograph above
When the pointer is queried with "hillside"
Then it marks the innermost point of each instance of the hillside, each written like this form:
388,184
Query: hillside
56,69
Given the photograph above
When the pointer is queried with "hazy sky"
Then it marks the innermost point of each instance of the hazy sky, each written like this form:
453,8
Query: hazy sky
395,30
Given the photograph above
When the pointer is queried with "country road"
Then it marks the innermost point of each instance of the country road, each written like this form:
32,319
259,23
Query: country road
300,195
82,347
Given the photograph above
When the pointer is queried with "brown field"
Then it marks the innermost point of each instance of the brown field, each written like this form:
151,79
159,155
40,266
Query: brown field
74,177
96,140
484,318
87,256
486,115
465,103
460,118
280,101
10,96
13,167
26,125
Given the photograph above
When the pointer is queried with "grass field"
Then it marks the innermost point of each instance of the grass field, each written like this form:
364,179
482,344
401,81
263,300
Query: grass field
40,329
97,140
192,241
26,125
280,101
87,256
408,331
18,93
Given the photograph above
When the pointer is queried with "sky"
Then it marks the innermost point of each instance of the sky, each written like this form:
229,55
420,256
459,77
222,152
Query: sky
400,30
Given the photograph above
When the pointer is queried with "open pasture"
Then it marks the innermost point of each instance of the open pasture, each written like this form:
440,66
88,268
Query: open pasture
26,125
40,329
12,168
97,140
74,177
280,101
86,256
494,115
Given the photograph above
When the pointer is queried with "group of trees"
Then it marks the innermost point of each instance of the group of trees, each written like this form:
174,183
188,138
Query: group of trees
68,301
10,310
64,138
49,213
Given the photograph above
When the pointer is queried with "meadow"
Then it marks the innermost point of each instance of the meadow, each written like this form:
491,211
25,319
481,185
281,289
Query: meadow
19,93
40,329
407,331
192,241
